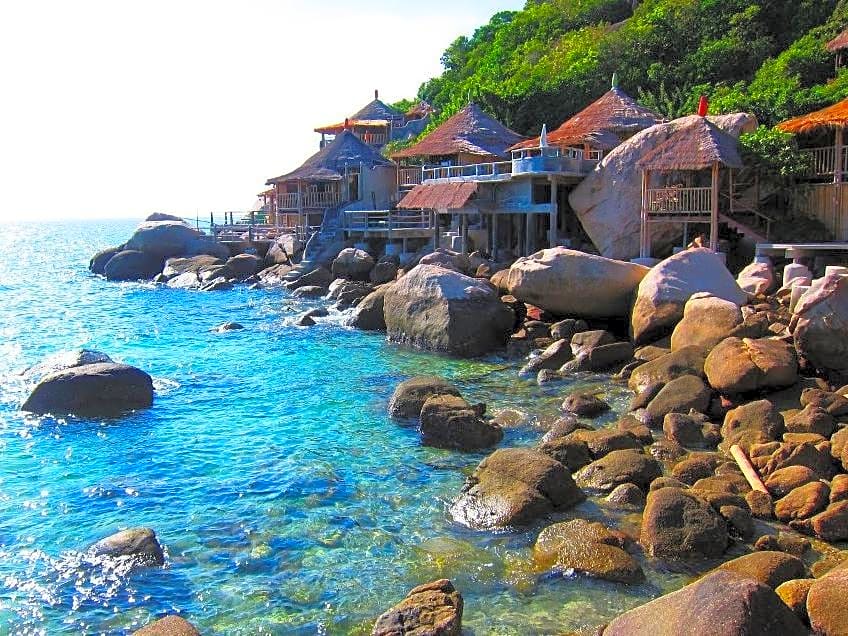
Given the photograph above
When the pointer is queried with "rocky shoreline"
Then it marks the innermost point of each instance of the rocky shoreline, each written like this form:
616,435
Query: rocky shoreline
717,366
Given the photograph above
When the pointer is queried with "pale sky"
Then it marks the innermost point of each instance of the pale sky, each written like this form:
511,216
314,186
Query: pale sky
111,108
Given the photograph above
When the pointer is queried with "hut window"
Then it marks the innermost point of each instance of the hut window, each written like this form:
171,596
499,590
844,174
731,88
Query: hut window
541,192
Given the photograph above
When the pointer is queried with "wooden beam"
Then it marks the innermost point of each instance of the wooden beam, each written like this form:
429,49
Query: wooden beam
714,209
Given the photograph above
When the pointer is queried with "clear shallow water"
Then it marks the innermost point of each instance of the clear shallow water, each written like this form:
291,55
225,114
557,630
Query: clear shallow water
287,501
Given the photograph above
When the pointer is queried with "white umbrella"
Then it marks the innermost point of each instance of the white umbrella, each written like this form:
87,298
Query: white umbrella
543,138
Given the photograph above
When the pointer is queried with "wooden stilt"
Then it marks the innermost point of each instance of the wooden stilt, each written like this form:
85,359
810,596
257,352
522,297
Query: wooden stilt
714,209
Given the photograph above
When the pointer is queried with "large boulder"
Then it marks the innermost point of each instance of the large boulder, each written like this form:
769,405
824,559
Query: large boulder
369,313
448,421
707,320
243,266
677,524
438,309
826,604
667,367
757,279
514,486
720,604
663,293
410,395
608,201
63,360
769,567
97,264
353,264
432,609
163,238
138,544
626,466
103,388
194,264
571,283
742,365
168,626
821,325
132,265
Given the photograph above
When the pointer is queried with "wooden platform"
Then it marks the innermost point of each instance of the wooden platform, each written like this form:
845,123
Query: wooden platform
799,250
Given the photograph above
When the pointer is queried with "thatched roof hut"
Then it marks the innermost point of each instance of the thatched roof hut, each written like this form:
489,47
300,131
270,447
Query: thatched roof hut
329,163
419,110
470,132
696,146
839,43
832,117
375,113
603,124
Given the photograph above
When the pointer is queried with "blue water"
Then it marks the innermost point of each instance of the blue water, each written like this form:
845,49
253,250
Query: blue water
287,502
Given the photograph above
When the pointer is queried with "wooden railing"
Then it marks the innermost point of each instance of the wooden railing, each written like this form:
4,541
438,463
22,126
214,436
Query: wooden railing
373,139
679,200
469,171
409,176
823,160
385,220
294,201
567,152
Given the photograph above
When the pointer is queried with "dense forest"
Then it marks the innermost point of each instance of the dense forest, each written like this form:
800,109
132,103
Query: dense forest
549,60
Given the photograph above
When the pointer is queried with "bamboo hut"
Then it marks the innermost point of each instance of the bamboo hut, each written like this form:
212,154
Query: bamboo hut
823,196
343,171
601,126
373,124
838,45
692,157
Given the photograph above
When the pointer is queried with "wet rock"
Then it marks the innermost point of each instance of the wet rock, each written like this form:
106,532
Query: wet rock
216,284
572,283
585,341
812,419
410,395
644,397
584,405
739,365
164,238
189,280
432,609
803,502
553,537
783,542
634,426
571,453
732,483
826,604
783,481
168,626
627,495
304,321
369,315
193,264
229,326
563,426
103,388
309,291
548,376
140,544
685,361
565,329
62,361
601,358
318,277
692,430
694,468
603,441
752,423
602,561
551,358
448,421
441,310
680,395
664,291
829,525
667,482
739,520
97,264
768,567
720,604
679,525
667,451
353,264
132,265
619,467
514,486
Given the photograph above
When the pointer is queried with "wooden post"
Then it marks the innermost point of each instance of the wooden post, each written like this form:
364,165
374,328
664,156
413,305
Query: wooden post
837,171
554,217
300,229
714,209
435,218
645,244
464,229
747,469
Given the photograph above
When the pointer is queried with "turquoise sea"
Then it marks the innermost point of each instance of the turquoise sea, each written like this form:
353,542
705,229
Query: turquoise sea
286,500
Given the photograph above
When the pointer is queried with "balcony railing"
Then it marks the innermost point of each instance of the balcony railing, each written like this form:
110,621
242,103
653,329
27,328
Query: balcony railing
385,221
295,201
823,160
409,176
555,159
679,201
470,171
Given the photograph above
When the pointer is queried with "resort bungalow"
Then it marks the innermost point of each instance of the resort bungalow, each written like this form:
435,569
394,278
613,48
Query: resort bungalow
822,195
345,173
377,123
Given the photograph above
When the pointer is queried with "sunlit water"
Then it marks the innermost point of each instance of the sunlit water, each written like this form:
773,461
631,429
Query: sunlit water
287,502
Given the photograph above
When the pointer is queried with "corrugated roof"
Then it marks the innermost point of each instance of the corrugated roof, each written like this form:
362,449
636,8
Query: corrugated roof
329,163
838,43
470,131
602,123
439,196
835,116
695,146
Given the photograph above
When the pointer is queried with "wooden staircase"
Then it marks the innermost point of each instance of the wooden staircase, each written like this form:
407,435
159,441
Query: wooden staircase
740,206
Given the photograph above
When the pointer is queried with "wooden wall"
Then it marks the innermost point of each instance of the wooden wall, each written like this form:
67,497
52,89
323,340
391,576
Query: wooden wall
827,202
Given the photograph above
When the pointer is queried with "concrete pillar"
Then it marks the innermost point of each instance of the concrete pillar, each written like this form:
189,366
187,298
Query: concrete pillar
554,218
464,232
495,236
529,234
436,233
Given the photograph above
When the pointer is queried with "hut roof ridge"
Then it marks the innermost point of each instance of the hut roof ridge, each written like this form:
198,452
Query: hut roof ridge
695,145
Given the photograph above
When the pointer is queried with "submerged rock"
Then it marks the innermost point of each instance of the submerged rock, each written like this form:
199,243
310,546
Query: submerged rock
410,395
104,388
572,283
97,264
720,604
139,543
229,326
442,310
448,421
168,626
432,609
514,486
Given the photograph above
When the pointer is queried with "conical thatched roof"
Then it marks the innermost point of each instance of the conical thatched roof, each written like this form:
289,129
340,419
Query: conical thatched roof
835,116
602,124
376,110
838,43
470,131
328,164
697,145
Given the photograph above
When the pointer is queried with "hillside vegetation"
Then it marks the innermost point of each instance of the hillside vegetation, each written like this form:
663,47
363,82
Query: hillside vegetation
549,60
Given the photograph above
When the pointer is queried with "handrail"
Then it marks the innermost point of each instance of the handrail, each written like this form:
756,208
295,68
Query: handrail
823,160
679,200
365,220
294,200
494,168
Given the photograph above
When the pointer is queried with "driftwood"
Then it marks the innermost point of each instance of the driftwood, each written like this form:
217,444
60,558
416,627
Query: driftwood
747,469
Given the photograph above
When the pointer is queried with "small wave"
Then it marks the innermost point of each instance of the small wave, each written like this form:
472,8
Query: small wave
165,386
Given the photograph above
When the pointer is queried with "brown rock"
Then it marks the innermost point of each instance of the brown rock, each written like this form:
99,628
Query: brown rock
812,419
693,468
830,525
619,467
554,537
834,403
448,421
740,521
601,561
707,320
816,457
803,502
433,609
685,361
584,405
410,395
603,441
760,504
794,594
168,626
680,395
570,452
551,358
839,489
627,495
826,605
753,423
781,482
629,424
767,567
742,365
686,429
677,524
